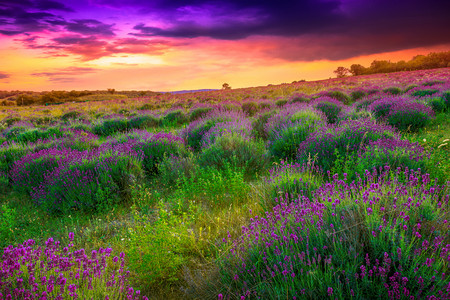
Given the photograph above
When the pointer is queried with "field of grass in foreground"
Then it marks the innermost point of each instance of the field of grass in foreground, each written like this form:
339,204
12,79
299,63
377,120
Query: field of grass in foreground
342,193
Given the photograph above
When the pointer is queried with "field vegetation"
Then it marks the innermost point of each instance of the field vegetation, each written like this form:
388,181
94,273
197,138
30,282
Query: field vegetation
334,189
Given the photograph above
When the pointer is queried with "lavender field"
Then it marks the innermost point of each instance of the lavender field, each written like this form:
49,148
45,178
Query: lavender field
333,189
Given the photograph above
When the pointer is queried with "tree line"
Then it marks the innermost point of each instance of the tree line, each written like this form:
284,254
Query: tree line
419,62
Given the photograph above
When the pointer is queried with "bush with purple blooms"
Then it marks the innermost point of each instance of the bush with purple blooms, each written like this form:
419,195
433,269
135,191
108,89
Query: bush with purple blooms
330,142
242,127
376,238
292,180
235,151
330,107
408,115
194,132
30,271
286,136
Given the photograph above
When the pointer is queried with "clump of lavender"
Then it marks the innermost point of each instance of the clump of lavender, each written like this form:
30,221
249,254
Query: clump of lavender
193,134
330,107
409,115
292,179
29,271
381,107
327,143
242,127
378,237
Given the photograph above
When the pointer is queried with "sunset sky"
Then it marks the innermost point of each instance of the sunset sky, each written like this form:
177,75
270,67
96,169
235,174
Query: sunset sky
178,45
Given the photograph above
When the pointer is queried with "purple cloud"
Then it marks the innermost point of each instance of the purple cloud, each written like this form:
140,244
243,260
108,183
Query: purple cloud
4,75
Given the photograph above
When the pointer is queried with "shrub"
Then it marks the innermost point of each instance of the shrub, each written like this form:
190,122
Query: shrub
143,121
198,113
330,142
281,102
193,133
330,108
437,104
284,141
12,132
377,154
363,104
249,108
9,153
56,272
109,127
298,98
175,117
292,181
375,238
71,115
380,108
340,96
424,93
354,114
97,184
156,146
358,94
394,90
241,127
238,152
409,116
34,135
259,124
172,167
446,97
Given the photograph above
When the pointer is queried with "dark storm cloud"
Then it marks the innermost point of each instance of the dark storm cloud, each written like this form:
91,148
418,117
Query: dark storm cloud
53,5
90,27
328,29
4,75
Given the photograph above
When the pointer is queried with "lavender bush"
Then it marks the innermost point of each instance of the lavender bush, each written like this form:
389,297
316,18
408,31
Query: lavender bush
330,142
377,238
408,115
55,272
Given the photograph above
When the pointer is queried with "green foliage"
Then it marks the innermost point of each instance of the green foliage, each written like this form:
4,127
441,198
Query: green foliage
412,120
8,220
93,185
10,154
437,104
358,94
283,143
157,250
172,167
281,102
424,93
71,115
339,95
331,110
143,121
213,187
258,125
446,97
195,136
198,113
238,152
155,150
294,184
176,117
109,127
249,108
33,135
394,90
363,104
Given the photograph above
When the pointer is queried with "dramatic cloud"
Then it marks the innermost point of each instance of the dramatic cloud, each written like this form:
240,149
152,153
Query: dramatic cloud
4,75
70,71
52,5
